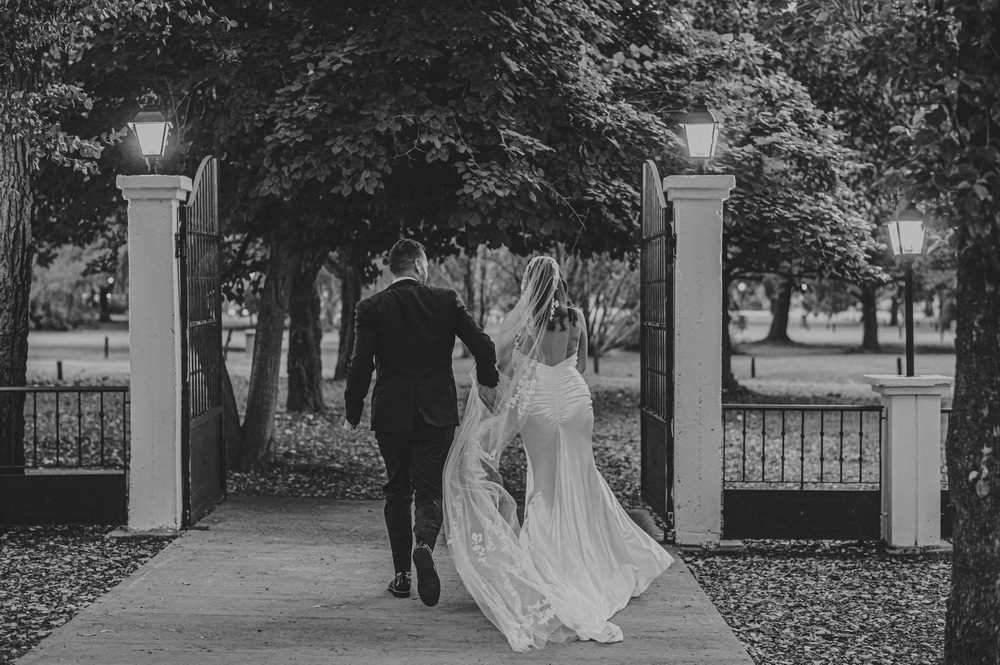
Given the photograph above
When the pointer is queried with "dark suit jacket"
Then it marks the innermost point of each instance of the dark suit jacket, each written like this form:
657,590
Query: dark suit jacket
406,333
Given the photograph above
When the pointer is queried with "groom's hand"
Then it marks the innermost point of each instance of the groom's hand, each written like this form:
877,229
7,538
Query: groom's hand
489,396
353,429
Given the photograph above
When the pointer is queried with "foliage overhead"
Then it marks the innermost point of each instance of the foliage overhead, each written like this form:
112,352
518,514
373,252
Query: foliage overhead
801,206
459,125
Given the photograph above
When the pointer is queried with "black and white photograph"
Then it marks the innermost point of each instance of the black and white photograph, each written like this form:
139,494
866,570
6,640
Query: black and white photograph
446,332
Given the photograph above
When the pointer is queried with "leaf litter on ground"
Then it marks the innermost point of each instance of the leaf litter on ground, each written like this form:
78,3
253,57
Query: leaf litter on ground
49,573
825,602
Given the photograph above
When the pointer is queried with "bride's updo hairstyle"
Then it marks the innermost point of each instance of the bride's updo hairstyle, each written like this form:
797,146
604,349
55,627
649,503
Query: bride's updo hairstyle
544,277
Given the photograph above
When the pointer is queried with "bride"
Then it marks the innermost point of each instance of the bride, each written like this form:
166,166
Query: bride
578,558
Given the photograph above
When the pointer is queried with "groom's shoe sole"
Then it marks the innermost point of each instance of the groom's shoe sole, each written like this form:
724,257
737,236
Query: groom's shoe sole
428,583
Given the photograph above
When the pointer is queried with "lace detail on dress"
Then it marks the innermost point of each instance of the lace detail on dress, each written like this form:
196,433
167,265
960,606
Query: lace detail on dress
524,390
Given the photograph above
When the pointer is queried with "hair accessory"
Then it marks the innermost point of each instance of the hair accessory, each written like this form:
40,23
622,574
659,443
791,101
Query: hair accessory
534,261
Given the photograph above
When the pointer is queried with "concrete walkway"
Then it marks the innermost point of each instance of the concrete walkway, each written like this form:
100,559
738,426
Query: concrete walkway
275,581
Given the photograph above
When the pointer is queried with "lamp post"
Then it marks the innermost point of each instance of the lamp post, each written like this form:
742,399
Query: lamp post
906,237
151,129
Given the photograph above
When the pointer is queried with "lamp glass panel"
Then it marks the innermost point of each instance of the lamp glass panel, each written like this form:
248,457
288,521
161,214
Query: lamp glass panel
892,229
701,138
152,137
911,237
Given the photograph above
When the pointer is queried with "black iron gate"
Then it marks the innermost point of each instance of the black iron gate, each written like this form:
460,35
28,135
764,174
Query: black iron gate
657,344
198,247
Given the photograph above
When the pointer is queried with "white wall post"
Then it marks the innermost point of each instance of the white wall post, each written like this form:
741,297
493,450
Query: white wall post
911,458
698,436
155,381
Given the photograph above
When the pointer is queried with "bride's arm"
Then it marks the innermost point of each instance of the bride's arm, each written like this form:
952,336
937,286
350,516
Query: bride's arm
581,350
505,349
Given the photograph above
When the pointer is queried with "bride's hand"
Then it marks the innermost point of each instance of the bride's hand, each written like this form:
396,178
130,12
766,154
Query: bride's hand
489,396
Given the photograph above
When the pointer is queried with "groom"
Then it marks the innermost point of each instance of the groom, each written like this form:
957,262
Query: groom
406,333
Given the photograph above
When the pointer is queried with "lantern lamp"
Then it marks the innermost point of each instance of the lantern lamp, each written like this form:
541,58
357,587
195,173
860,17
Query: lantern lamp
151,129
906,234
701,132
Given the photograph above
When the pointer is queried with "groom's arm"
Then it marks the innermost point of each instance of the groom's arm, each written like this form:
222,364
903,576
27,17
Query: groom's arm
362,362
479,344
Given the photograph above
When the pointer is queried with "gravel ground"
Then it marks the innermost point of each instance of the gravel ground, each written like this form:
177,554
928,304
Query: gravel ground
48,574
804,603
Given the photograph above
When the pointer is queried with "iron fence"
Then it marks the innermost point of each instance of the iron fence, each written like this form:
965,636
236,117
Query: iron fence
797,446
945,420
74,427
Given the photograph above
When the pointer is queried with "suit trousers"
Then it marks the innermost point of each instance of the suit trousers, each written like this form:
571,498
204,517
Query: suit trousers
414,464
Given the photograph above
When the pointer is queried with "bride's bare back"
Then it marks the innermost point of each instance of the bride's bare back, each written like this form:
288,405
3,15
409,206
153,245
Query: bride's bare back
558,345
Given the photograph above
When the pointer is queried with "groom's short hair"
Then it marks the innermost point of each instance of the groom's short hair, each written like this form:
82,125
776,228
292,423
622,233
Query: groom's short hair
403,254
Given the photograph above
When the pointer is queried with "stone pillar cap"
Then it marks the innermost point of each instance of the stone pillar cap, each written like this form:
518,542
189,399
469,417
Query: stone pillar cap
154,186
698,186
926,383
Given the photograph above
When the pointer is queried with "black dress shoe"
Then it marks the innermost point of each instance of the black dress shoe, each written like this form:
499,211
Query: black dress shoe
428,584
400,585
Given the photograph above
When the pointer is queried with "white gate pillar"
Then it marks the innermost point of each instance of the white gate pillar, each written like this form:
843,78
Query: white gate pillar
155,478
698,434
911,458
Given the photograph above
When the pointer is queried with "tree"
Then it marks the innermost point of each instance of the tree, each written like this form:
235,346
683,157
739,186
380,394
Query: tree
39,40
305,335
869,317
63,289
348,126
781,305
607,292
791,212
461,274
351,278
947,153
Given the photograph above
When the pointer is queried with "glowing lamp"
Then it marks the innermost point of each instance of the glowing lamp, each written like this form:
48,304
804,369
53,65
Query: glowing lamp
701,132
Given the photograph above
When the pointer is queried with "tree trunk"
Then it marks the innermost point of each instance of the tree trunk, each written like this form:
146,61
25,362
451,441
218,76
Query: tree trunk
972,633
596,357
483,309
894,311
15,285
869,318
350,294
232,431
469,283
262,393
105,305
305,333
781,305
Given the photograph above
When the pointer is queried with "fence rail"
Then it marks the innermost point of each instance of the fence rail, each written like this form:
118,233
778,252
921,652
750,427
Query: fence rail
802,446
73,427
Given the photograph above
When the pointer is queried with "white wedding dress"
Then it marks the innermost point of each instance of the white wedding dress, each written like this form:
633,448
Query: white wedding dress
578,558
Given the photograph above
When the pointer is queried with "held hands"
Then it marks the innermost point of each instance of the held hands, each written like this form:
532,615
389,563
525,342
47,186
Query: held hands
348,427
488,395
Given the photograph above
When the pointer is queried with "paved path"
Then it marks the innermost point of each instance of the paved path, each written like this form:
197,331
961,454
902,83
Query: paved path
276,581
